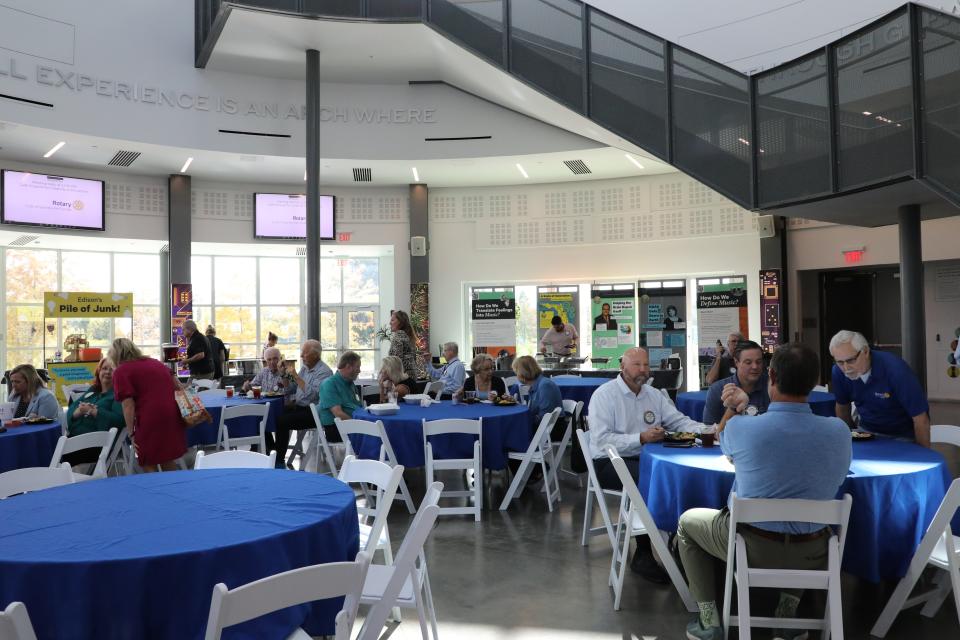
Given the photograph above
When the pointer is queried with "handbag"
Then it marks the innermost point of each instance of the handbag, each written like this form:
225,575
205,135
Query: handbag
191,407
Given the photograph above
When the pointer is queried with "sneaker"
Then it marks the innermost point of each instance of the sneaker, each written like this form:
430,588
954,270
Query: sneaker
646,567
696,631
790,634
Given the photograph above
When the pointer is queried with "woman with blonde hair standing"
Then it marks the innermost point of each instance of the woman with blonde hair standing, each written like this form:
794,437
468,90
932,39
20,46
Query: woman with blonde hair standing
145,387
403,341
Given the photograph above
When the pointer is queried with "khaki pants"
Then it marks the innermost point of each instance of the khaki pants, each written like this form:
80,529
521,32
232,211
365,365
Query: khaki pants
703,534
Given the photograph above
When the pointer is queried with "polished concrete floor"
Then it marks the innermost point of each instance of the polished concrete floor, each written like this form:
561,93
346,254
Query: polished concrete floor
522,574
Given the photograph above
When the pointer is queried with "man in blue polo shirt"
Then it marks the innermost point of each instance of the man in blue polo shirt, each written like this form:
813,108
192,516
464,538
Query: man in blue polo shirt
750,376
889,398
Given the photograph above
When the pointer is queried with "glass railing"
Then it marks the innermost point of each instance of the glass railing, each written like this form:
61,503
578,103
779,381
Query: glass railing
840,119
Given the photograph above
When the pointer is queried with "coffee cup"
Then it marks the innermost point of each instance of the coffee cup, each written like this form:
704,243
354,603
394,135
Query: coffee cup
229,390
707,437
256,391
7,411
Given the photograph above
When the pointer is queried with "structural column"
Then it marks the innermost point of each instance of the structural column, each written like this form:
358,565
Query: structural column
911,289
177,267
420,264
313,194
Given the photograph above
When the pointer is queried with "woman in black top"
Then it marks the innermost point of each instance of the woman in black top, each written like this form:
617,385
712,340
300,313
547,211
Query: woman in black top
483,381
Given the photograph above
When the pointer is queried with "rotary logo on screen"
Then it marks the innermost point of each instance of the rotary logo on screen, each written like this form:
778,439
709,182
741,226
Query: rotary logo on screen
78,205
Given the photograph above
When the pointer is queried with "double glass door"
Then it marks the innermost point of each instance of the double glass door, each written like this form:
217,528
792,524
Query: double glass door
350,328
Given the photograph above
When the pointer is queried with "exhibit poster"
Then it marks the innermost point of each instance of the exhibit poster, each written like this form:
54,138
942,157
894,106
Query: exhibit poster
770,310
561,301
613,324
721,310
493,325
663,326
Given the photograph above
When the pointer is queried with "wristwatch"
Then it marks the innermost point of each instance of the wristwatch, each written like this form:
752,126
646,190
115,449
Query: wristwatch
750,410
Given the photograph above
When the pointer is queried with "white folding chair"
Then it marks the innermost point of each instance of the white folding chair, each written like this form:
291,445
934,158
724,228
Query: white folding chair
122,456
229,607
405,584
523,391
945,434
224,441
540,451
34,479
457,426
509,381
834,513
97,439
373,518
235,459
938,548
375,430
635,520
369,390
573,409
72,391
205,384
320,446
565,376
595,493
820,387
15,623
434,389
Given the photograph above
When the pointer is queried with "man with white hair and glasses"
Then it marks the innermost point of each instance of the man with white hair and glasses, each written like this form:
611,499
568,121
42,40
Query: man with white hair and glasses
888,395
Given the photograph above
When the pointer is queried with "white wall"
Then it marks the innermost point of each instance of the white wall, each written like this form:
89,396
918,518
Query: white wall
612,230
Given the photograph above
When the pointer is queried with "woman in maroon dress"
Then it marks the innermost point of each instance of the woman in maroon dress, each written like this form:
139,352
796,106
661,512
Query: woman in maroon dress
145,389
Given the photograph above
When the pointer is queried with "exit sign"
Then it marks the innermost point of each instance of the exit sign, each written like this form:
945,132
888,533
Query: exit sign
853,257
344,236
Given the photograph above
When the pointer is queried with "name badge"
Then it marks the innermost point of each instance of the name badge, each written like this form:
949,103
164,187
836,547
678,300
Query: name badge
649,417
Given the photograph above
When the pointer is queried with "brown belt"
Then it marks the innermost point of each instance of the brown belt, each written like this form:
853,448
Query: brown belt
787,537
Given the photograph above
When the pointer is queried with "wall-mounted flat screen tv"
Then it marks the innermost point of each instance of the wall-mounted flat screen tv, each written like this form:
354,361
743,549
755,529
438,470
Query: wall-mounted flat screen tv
284,215
43,200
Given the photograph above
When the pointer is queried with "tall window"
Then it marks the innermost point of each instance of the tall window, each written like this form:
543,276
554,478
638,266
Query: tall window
349,296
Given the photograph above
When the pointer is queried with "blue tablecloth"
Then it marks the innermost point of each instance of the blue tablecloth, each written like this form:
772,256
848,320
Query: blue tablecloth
691,403
138,556
579,389
504,429
240,427
28,446
896,489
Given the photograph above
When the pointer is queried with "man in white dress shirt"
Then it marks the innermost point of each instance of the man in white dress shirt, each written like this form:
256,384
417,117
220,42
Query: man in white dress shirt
626,414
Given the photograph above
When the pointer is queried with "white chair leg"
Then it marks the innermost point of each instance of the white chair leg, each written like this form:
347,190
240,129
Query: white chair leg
430,607
405,494
421,614
743,590
938,596
546,484
622,569
477,489
587,514
519,480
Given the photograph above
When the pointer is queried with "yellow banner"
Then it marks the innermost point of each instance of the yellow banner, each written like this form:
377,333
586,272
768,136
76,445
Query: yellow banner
64,374
85,304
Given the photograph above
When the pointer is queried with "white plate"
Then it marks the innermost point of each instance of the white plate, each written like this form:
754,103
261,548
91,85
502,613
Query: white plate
486,402
384,409
414,398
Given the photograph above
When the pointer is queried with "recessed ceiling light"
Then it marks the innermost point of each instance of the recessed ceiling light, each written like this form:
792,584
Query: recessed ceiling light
56,148
416,176
634,160
522,171
186,165
867,113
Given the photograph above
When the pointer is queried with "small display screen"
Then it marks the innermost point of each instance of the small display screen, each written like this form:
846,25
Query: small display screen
52,201
283,215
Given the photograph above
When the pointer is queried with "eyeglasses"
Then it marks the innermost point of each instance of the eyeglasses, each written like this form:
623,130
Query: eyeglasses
847,361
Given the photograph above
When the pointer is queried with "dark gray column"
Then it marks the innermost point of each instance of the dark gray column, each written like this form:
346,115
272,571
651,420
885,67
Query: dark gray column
773,255
313,194
419,226
911,289
179,238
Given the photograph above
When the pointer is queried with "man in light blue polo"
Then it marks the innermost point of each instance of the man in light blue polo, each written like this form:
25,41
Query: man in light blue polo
788,452
451,374
888,395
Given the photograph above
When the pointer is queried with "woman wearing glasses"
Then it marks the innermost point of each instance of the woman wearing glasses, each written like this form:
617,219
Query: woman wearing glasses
483,381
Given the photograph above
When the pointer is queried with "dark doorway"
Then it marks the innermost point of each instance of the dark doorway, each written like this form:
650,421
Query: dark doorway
861,300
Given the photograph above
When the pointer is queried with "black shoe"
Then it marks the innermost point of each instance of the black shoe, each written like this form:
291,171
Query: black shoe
644,564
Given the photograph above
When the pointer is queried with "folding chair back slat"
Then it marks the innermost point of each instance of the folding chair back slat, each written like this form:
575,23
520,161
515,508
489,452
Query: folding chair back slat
385,480
452,426
945,433
103,440
258,410
15,623
235,459
34,479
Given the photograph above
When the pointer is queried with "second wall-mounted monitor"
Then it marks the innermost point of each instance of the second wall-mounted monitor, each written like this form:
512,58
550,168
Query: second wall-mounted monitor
284,216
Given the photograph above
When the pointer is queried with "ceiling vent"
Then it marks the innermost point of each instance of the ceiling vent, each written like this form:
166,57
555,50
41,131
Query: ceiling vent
124,158
165,248
23,241
362,175
578,167
301,252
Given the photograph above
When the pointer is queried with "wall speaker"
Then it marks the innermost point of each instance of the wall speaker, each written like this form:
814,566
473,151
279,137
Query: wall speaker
418,246
766,227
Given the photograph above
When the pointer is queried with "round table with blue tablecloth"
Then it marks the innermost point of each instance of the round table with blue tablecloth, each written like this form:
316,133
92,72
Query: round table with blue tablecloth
138,556
691,403
215,401
579,389
896,488
504,429
28,445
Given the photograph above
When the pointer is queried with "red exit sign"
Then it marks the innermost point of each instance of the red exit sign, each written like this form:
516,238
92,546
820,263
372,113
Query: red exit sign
344,236
853,257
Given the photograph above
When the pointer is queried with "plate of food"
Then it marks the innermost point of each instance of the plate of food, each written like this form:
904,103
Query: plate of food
506,401
470,401
861,435
679,437
272,394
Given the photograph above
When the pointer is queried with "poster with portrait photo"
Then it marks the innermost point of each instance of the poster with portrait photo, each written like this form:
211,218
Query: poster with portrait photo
663,320
613,310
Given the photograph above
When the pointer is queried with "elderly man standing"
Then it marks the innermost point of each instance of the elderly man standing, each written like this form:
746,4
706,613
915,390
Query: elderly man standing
788,452
723,364
889,398
272,377
296,414
626,414
451,374
199,356
750,376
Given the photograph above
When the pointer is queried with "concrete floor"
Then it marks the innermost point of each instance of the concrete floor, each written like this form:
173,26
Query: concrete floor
522,574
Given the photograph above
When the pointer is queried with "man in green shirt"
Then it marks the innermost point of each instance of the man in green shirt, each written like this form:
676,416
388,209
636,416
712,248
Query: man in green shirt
338,393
